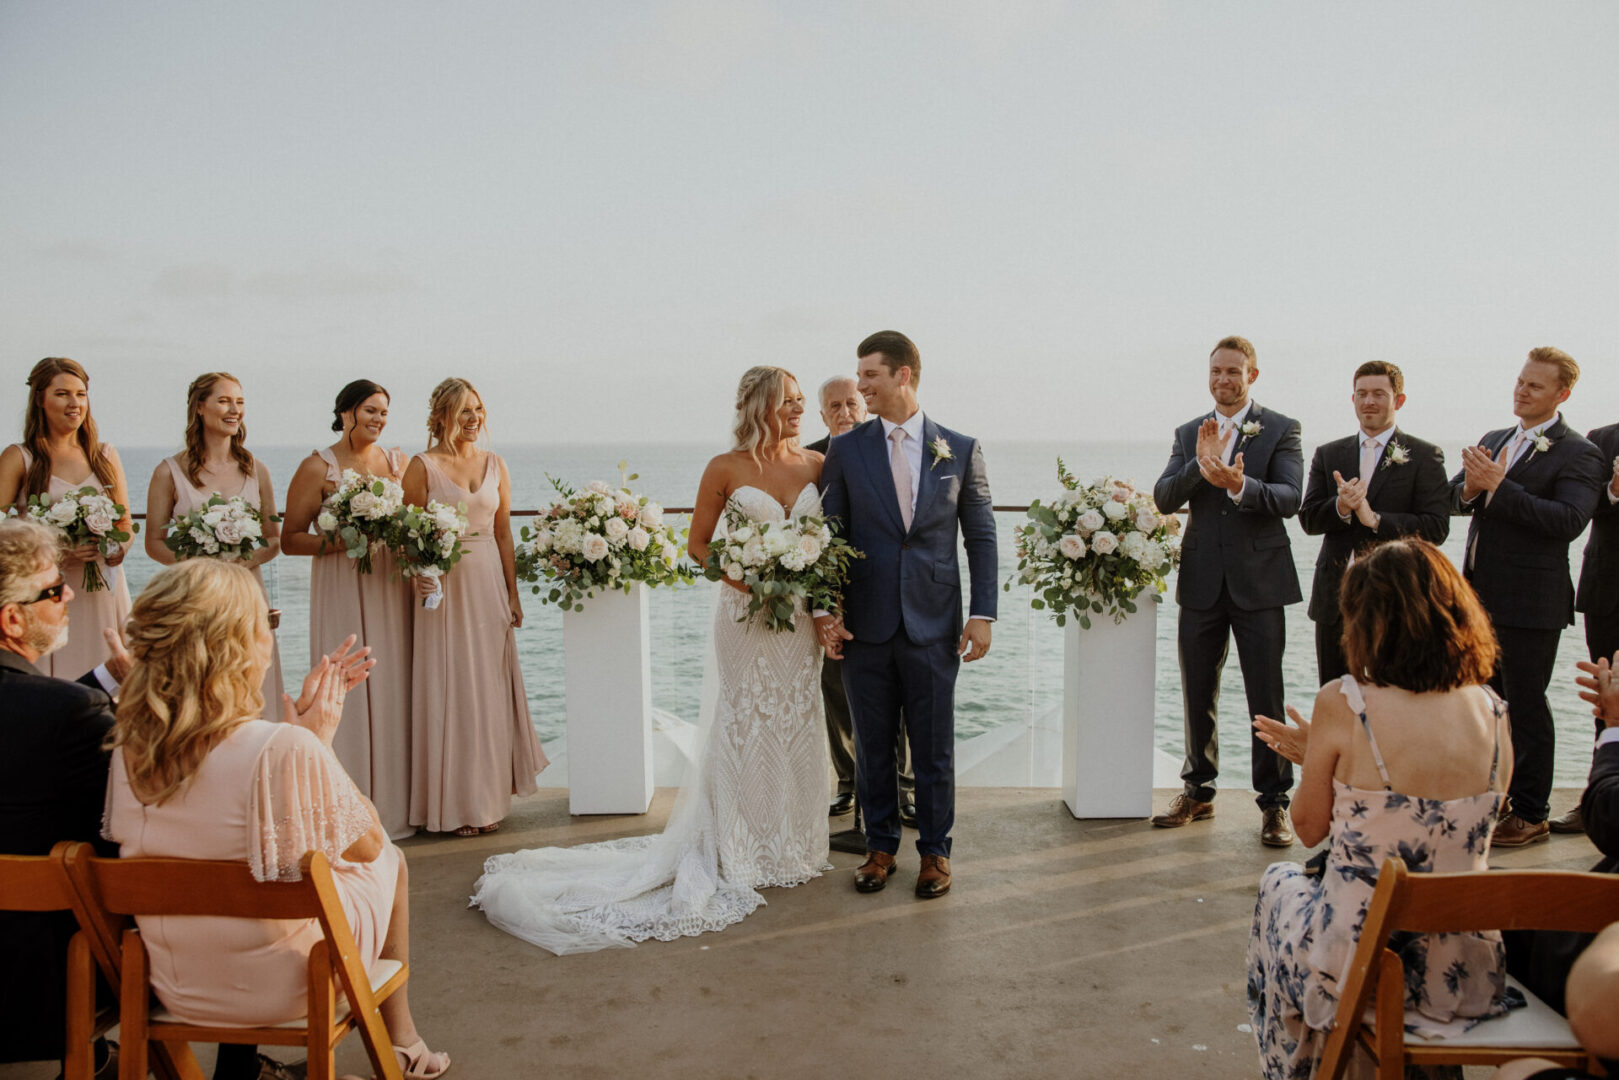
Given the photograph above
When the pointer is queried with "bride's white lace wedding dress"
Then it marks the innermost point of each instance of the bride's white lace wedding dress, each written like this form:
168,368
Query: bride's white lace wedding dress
753,815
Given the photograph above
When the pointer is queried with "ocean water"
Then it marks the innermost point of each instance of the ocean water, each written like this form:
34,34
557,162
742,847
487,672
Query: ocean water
1022,674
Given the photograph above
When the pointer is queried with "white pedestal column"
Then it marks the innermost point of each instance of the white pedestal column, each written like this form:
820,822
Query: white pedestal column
607,664
1107,716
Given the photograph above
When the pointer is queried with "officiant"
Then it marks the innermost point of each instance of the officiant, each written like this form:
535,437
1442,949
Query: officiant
842,410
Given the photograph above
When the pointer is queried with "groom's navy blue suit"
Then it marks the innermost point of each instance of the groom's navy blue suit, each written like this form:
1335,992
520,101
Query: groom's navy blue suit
903,606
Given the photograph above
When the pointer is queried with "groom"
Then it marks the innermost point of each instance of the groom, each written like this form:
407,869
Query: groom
901,487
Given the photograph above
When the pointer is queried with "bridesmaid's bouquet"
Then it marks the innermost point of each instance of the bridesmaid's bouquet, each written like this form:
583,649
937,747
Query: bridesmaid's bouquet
221,528
360,515
781,563
599,538
1094,548
427,542
83,516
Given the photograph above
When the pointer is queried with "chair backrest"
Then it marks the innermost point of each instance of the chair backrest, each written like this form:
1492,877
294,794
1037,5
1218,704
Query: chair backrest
36,882
1456,903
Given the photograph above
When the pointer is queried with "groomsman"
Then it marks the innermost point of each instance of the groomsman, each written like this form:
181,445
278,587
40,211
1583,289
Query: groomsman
842,409
1598,595
1364,488
1531,488
1239,470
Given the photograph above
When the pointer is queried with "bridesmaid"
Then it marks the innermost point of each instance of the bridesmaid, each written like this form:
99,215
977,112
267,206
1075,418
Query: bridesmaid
215,462
373,741
472,743
59,453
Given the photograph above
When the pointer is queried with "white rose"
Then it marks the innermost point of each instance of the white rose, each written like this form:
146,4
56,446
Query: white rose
734,571
228,532
249,528
1090,521
1147,521
616,530
753,553
652,515
62,512
594,547
1104,543
199,536
599,487
326,522
639,538
1133,545
1071,546
742,535
776,542
1152,556
542,542
98,522
671,554
1114,511
809,546
214,516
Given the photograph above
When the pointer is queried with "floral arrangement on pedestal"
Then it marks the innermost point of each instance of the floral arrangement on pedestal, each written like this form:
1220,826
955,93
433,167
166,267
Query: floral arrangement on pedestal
85,516
224,527
781,563
427,542
359,515
1094,549
600,537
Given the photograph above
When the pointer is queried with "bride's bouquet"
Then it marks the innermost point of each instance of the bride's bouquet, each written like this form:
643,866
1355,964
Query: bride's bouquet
599,538
781,563
83,516
427,542
1093,549
360,515
221,528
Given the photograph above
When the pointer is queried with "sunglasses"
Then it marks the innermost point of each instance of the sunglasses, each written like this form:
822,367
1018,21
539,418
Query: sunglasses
53,592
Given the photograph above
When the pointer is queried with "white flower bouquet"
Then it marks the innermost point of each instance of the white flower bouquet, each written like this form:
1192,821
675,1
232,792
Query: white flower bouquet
781,563
221,528
599,538
1093,549
360,515
427,542
85,516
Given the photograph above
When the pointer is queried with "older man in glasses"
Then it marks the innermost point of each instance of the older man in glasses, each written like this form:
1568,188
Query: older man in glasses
53,772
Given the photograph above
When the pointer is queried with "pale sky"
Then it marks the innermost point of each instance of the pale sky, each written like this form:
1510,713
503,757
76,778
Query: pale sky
603,212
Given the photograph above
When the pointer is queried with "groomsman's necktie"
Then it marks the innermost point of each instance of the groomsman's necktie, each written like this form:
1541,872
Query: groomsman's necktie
1368,458
902,475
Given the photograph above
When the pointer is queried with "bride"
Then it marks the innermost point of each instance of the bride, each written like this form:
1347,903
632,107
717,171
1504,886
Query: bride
753,814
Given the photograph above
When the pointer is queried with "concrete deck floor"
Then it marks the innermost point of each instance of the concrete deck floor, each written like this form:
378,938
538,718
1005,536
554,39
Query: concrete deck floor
1080,949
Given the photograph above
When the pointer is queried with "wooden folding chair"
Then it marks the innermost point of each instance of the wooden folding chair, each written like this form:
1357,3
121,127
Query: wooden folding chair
1457,903
116,890
40,883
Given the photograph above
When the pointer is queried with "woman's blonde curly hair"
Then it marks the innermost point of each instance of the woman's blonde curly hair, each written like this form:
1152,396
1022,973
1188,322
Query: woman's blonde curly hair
197,674
758,396
444,406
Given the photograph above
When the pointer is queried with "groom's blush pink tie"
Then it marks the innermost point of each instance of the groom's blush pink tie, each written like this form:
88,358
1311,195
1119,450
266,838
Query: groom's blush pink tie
902,475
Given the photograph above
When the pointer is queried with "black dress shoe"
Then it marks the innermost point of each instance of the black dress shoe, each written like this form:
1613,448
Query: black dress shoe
841,805
907,813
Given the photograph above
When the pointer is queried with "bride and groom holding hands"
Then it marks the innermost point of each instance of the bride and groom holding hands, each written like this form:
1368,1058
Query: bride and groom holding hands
901,489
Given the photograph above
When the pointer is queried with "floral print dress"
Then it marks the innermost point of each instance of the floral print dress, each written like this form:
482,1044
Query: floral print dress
1306,928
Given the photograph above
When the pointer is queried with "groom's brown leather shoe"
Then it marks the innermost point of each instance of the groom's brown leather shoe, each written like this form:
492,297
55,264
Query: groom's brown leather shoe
874,872
1183,809
934,880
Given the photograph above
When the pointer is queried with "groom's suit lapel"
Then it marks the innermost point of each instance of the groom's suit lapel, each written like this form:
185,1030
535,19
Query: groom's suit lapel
876,458
930,482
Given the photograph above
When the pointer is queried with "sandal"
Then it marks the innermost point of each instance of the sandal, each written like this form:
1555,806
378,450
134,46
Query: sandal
468,830
420,1063
490,828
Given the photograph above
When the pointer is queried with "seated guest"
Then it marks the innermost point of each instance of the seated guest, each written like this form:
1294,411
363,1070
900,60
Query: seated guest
53,771
1593,986
1405,757
196,773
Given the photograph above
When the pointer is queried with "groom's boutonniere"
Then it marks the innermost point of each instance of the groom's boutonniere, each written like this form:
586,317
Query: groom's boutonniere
1251,428
1542,444
941,451
1395,455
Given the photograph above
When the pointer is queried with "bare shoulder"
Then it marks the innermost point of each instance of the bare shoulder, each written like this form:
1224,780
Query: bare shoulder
813,457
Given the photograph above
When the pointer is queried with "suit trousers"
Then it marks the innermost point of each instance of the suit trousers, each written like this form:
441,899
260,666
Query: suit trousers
897,677
1329,652
1528,660
840,734
1205,640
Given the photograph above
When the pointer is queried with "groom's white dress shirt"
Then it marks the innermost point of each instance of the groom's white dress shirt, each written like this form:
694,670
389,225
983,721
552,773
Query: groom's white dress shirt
1372,448
1228,441
1521,440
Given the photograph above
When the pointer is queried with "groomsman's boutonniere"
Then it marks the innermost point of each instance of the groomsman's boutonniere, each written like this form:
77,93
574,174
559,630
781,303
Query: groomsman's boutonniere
1395,455
1542,444
941,451
1251,429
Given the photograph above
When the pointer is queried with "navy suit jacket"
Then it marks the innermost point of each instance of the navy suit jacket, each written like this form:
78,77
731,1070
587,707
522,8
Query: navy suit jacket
1242,546
911,576
1598,593
53,786
1520,566
1413,500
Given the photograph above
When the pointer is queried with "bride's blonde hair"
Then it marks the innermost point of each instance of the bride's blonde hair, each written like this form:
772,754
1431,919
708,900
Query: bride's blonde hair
193,634
758,396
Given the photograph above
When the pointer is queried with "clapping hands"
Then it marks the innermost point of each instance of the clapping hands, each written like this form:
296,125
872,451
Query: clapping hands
1352,500
1483,473
1290,742
1210,455
320,706
1600,689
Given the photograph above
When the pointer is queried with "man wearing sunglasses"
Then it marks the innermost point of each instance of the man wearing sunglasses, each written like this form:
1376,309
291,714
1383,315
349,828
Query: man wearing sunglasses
53,776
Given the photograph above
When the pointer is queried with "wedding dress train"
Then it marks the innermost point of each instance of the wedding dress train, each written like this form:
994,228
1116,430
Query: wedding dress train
753,815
